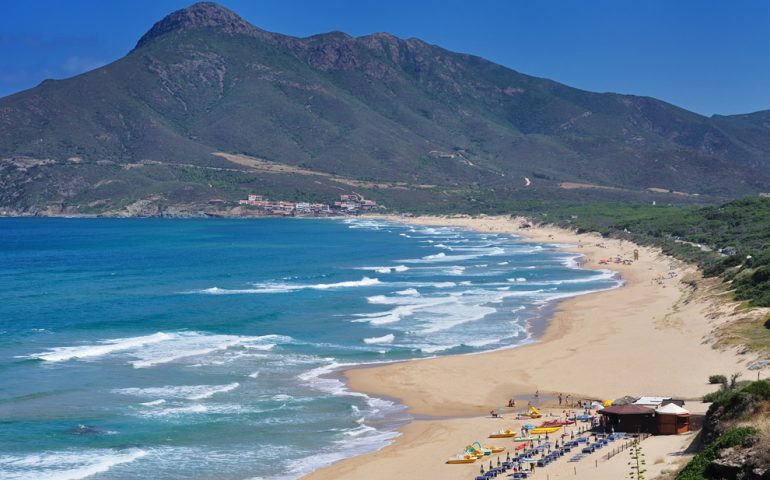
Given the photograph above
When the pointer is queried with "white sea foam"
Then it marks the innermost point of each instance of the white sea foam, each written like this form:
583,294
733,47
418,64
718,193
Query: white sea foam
160,348
361,429
596,277
318,378
65,465
409,291
455,270
387,269
571,261
482,342
105,347
380,340
391,316
189,392
366,224
183,410
436,348
357,445
442,257
193,344
287,287
431,314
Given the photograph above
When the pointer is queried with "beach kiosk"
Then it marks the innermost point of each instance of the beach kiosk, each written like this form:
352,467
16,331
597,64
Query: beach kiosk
672,419
630,418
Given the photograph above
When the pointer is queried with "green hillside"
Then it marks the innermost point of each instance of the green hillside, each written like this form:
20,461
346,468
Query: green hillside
451,129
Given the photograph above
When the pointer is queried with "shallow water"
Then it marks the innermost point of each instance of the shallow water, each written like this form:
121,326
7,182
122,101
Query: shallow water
201,348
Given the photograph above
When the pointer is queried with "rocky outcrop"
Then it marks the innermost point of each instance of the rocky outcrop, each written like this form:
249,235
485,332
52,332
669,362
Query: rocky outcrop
201,15
738,463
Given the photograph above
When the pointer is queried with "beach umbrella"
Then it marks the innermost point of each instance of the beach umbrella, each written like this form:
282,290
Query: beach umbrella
528,426
607,403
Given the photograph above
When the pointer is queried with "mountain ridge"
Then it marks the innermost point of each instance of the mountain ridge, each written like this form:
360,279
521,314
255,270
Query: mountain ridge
373,107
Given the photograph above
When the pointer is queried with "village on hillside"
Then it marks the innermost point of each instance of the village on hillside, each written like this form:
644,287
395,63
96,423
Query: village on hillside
350,204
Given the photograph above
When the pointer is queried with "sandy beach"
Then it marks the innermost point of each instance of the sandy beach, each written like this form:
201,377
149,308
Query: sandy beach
652,336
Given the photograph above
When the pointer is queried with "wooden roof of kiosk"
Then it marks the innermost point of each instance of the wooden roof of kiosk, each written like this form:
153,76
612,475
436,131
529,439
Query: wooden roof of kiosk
630,418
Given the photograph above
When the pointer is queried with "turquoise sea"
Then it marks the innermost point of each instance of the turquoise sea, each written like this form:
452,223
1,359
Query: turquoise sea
199,349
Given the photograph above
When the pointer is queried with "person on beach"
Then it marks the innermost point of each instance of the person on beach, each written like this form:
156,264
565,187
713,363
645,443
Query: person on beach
560,399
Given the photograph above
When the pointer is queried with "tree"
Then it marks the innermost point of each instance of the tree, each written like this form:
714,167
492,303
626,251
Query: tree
637,462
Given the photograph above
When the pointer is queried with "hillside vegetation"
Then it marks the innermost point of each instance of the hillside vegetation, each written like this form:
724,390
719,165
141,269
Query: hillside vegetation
736,435
455,131
731,240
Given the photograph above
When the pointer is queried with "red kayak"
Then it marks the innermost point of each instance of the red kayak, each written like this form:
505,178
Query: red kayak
522,446
555,423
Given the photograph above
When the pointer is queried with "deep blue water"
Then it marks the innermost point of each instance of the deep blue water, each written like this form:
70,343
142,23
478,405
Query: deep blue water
192,349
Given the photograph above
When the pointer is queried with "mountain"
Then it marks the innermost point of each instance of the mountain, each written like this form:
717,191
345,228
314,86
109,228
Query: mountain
207,105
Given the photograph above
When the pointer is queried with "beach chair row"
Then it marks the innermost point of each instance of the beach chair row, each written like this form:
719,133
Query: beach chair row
590,448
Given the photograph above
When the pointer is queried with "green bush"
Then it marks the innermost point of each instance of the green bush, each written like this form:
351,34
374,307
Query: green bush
696,469
740,400
719,397
716,379
760,389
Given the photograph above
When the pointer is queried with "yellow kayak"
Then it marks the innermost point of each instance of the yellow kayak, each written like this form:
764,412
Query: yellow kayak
544,430
503,434
462,458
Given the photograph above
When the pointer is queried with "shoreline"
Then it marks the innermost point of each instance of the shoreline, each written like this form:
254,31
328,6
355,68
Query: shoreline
650,330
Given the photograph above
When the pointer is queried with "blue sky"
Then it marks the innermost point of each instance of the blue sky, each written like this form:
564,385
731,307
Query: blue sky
706,56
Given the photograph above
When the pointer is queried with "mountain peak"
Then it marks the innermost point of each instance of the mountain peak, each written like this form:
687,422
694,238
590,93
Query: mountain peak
199,15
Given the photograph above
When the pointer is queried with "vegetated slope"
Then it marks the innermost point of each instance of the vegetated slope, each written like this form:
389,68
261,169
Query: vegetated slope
736,435
368,108
731,240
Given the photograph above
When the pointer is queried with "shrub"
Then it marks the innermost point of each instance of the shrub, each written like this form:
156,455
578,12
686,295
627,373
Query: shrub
696,469
719,397
735,403
760,390
717,379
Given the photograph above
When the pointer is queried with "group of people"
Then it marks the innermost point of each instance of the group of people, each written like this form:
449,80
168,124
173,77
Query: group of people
567,400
